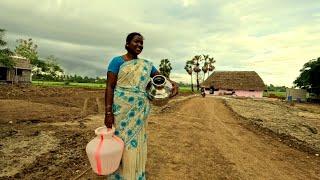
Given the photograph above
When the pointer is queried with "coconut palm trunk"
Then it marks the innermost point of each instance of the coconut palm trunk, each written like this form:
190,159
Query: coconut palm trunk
192,84
188,68
198,81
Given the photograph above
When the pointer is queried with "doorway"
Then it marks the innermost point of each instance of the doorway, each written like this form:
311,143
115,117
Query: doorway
3,73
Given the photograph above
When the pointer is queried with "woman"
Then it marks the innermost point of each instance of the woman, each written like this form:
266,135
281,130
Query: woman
127,106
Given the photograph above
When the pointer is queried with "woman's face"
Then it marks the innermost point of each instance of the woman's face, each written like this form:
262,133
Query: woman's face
136,45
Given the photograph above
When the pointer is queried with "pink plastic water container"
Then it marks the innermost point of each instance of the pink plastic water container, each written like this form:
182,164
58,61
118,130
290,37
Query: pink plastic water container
105,151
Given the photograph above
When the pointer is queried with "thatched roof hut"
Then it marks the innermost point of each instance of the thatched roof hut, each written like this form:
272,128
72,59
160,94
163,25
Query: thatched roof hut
235,80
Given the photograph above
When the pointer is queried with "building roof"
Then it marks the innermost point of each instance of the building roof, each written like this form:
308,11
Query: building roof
20,63
235,80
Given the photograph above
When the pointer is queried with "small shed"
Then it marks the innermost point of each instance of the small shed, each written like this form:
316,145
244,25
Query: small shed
238,83
296,94
19,74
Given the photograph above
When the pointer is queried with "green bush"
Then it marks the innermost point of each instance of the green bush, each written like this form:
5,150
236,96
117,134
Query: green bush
66,83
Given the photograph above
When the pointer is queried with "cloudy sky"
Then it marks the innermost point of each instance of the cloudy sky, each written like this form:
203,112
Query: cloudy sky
272,37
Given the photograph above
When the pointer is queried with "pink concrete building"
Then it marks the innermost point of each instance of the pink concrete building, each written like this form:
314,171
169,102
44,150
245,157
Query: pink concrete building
237,83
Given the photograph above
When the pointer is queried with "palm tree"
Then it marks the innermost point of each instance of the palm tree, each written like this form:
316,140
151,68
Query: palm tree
205,66
194,66
188,68
165,67
210,65
196,63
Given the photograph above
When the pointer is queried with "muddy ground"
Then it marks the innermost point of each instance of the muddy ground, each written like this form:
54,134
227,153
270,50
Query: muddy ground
298,122
44,132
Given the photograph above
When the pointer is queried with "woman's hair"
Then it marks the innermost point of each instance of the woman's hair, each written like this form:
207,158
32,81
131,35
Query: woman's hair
131,36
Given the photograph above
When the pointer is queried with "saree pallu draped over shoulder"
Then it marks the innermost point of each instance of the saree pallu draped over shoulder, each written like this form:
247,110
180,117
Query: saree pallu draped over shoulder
131,108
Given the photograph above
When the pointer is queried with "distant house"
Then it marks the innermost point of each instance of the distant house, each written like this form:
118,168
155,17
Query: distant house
238,83
20,73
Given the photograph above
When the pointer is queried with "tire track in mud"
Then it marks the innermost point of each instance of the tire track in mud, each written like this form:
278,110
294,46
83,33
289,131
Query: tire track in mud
84,107
182,145
213,162
100,106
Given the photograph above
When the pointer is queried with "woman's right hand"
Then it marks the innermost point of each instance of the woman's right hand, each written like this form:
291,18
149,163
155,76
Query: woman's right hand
109,120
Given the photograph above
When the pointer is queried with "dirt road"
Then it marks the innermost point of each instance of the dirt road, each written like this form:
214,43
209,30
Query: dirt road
202,139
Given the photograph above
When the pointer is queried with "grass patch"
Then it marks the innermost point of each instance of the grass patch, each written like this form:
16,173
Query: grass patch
185,89
71,84
276,93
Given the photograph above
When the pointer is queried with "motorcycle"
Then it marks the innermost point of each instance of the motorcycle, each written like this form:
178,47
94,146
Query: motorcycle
203,93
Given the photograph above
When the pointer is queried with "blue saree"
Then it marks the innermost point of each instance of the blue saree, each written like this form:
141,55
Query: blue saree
131,108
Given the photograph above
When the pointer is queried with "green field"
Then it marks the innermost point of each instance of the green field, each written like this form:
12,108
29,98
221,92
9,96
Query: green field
185,89
62,84
182,89
276,93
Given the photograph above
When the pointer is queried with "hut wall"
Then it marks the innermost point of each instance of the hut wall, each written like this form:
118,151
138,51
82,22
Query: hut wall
24,78
257,94
222,92
10,75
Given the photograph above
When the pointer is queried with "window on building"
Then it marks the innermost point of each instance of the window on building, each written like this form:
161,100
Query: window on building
19,72
251,90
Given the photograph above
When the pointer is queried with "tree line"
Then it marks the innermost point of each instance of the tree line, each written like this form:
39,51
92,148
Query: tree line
274,88
309,77
45,69
198,63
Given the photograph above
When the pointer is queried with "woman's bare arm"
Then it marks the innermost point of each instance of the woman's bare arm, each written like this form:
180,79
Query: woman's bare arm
109,93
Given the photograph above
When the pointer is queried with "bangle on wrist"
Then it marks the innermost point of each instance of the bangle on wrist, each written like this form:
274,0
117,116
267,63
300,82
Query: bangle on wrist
108,113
